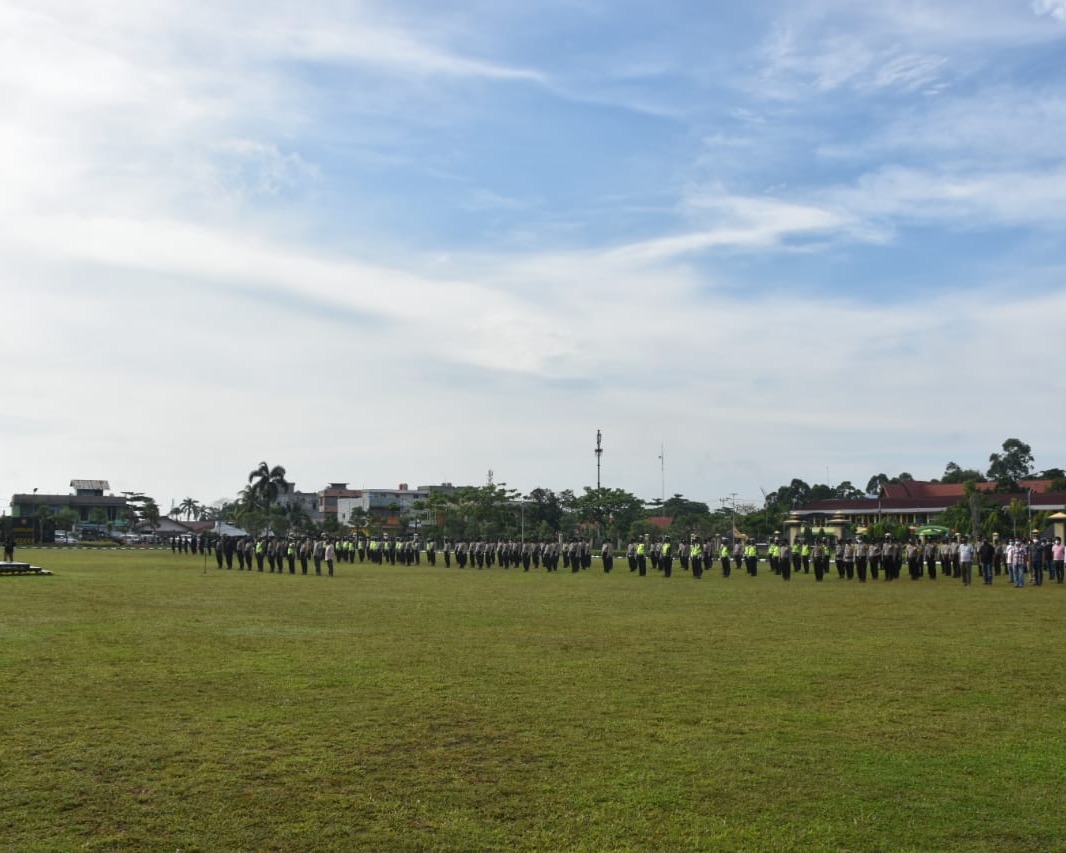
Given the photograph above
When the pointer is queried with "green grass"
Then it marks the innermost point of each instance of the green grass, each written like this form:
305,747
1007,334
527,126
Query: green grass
150,705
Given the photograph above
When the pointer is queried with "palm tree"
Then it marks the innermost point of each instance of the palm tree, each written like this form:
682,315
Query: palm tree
189,507
266,484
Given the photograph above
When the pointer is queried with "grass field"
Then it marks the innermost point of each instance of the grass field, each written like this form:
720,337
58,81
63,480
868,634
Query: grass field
148,704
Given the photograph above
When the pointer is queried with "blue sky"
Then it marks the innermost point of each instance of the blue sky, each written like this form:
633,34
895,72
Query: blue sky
383,243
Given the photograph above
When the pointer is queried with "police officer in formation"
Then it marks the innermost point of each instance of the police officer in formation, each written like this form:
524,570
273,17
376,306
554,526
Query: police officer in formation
853,557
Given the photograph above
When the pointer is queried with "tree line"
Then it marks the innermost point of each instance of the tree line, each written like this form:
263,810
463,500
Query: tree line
495,511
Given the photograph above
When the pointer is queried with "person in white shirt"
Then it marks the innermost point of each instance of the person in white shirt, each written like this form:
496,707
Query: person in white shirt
966,561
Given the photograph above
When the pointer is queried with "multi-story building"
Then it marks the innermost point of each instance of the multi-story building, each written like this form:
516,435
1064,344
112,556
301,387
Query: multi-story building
89,500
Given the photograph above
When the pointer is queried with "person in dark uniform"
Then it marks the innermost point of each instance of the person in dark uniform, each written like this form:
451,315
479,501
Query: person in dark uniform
784,559
607,557
913,552
819,559
929,552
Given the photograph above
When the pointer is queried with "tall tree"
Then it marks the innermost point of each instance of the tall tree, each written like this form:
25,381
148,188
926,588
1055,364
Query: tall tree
190,508
1011,466
266,484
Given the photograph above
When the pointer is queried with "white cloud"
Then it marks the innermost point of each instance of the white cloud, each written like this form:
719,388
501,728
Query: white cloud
1051,8
173,281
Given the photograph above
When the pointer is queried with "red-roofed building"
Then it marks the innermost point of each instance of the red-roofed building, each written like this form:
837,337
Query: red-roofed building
915,503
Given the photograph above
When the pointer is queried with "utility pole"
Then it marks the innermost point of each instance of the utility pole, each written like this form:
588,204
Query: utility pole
731,501
599,453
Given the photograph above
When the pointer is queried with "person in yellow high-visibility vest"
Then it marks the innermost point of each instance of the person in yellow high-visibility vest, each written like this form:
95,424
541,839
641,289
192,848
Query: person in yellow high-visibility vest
751,559
695,559
723,556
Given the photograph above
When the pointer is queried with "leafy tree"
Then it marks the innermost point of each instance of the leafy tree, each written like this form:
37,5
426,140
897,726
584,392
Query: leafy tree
641,528
718,523
677,505
613,511
487,511
846,491
874,484
762,524
797,493
142,509
954,474
66,518
1057,477
150,514
358,518
975,515
879,530
250,517
544,506
821,492
1011,466
568,501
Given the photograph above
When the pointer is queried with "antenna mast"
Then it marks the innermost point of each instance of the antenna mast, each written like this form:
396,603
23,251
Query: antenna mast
599,453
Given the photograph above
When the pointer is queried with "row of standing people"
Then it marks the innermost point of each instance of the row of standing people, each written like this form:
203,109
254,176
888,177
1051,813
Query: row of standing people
852,558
